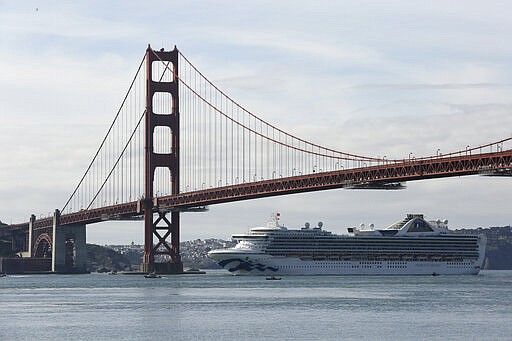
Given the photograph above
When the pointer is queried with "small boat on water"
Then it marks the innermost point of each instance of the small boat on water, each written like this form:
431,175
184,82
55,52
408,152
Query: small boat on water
3,275
194,271
152,275
273,278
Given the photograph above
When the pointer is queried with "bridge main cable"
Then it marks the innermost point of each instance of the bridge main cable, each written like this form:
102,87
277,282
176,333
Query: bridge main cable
104,140
346,156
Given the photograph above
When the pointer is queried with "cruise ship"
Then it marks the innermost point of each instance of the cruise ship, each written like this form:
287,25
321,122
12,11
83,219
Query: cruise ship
412,246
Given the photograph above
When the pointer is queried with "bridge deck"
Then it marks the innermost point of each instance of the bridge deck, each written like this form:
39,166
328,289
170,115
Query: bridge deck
407,170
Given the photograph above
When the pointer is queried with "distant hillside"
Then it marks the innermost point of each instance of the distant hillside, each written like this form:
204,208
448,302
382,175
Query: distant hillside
100,258
194,253
5,244
5,249
498,253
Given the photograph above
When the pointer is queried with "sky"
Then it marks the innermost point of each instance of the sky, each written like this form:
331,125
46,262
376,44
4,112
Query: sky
367,77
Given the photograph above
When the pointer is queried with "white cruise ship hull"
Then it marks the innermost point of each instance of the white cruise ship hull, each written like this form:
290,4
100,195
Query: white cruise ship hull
261,264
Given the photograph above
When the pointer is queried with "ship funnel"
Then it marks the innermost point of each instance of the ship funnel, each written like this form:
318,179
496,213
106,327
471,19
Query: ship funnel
320,224
306,225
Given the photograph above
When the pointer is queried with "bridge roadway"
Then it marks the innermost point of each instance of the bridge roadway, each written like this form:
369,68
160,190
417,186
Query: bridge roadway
364,177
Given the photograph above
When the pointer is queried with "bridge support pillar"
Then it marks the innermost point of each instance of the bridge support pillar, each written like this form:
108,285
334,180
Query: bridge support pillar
164,257
31,235
69,252
161,257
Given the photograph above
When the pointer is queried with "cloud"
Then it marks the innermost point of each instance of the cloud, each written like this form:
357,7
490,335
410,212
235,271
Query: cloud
66,21
375,79
431,86
305,46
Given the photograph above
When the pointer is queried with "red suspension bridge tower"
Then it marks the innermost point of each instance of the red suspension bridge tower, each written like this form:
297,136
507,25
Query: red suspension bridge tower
162,227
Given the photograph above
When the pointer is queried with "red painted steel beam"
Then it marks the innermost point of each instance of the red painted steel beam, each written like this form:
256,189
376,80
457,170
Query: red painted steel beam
387,173
20,226
87,216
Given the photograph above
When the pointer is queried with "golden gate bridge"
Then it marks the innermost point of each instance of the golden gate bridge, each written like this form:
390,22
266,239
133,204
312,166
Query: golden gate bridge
179,143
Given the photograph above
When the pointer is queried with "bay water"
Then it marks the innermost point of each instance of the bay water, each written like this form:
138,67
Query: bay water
221,306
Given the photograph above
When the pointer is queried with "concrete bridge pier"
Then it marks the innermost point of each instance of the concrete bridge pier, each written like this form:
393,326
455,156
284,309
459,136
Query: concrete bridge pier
69,253
31,222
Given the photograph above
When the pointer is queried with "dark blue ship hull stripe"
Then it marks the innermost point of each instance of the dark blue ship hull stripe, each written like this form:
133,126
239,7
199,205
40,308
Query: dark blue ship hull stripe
246,265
